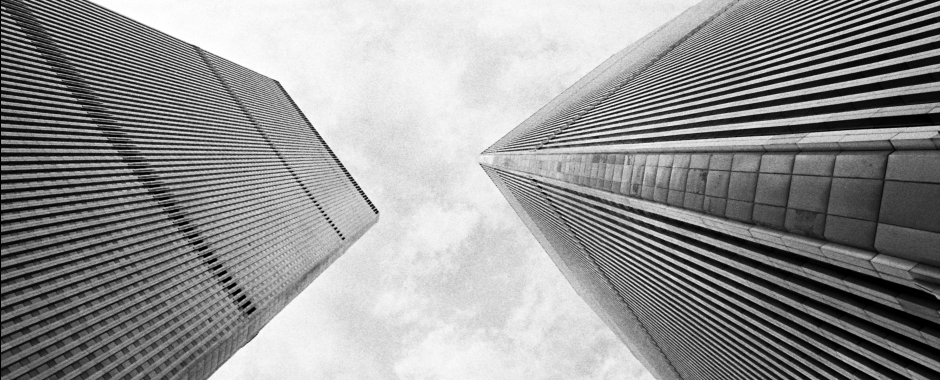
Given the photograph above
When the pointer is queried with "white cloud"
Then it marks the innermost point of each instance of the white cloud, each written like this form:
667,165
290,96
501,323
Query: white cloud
535,342
435,228
450,353
404,306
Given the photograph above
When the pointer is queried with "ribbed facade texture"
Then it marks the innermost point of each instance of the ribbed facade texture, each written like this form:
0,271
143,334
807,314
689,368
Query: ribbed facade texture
752,191
160,204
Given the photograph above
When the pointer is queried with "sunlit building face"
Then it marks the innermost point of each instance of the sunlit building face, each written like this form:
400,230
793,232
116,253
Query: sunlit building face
750,191
160,203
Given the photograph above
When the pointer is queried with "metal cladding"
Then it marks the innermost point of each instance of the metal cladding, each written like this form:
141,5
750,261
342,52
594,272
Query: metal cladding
159,203
752,191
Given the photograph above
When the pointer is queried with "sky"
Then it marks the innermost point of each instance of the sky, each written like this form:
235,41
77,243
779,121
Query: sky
449,284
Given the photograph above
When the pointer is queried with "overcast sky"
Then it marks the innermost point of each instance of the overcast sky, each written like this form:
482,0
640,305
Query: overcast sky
449,284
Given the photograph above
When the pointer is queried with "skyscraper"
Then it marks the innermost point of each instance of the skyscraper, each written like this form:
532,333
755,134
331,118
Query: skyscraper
160,204
752,191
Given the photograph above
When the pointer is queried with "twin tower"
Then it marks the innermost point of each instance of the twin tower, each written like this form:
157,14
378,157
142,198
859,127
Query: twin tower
752,191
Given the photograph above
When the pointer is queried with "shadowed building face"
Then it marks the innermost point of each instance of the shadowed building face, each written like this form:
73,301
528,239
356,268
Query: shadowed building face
160,203
750,192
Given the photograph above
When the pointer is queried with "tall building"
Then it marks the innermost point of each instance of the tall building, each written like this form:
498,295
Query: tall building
752,191
160,204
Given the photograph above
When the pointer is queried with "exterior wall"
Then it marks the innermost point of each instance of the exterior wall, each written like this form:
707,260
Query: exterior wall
578,267
160,204
756,190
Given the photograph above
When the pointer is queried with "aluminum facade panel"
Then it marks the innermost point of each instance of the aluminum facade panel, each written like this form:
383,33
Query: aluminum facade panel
755,183
157,212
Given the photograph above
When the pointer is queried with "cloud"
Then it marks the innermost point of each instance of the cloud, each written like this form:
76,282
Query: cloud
437,228
450,353
429,243
404,306
534,341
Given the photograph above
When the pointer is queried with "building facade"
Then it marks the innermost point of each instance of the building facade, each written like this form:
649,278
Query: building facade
752,191
160,204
